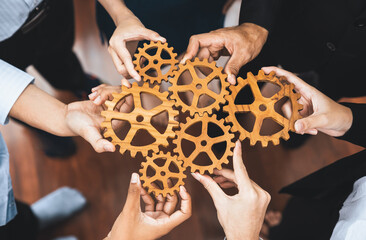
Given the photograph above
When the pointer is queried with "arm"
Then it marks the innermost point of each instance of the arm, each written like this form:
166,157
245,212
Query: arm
123,43
157,220
38,109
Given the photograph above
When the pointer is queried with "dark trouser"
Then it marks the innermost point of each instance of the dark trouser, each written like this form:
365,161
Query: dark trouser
49,48
23,226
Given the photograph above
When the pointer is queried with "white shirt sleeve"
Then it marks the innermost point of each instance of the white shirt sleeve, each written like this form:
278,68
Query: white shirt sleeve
12,83
352,216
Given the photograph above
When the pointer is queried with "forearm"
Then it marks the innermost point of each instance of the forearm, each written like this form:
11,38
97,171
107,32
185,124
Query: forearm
118,11
40,110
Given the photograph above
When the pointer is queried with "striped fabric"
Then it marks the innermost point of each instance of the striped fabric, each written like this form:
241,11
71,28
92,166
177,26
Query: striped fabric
12,83
13,13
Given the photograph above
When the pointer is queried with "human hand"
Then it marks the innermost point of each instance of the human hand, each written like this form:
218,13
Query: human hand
320,112
243,43
84,119
241,215
156,221
123,44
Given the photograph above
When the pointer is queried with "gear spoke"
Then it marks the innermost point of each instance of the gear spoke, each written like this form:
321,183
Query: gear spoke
263,108
163,174
199,87
220,139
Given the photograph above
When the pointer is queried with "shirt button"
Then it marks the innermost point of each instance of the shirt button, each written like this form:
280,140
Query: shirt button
360,23
331,46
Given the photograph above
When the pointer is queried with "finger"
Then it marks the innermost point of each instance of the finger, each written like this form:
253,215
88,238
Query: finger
93,136
161,202
213,189
147,199
292,78
171,201
227,6
170,204
121,69
93,95
125,82
185,210
227,185
241,175
311,123
233,66
126,59
153,36
195,43
227,173
286,109
132,204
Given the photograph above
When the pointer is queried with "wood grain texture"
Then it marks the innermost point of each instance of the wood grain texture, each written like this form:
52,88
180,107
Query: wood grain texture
199,86
140,118
203,143
262,108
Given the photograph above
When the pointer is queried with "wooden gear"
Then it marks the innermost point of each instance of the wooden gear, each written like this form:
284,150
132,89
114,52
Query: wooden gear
203,143
262,108
139,118
155,61
199,87
163,174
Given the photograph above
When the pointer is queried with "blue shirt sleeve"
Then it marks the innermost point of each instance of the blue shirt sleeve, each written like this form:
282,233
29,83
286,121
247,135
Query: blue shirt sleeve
12,83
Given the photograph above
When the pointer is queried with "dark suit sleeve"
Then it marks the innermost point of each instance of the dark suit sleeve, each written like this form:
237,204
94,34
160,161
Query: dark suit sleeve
260,12
357,133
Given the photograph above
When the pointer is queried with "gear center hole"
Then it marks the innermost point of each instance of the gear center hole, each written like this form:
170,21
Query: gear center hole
139,118
155,61
262,107
199,86
204,143
162,173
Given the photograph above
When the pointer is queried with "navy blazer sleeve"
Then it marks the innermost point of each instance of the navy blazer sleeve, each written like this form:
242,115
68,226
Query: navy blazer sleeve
357,133
260,12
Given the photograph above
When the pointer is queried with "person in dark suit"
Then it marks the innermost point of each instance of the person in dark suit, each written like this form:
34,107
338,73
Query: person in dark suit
325,38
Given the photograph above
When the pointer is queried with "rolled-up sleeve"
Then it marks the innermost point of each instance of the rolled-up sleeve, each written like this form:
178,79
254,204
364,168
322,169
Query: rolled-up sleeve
12,83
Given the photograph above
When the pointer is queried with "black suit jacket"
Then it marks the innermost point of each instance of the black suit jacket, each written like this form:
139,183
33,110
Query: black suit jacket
337,178
326,36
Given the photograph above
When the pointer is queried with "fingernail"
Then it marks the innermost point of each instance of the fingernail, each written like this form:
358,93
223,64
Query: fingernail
183,61
97,100
134,178
182,189
231,79
108,148
298,127
197,176
92,95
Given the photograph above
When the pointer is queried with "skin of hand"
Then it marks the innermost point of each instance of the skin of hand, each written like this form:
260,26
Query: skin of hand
123,43
241,215
156,221
320,113
243,43
40,110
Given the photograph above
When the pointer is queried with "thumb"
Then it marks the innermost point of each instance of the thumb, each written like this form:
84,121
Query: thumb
154,36
311,124
133,198
211,186
233,66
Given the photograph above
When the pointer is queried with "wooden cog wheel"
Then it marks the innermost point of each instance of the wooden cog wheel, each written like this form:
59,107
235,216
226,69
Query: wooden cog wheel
154,61
262,108
167,170
199,87
140,119
204,143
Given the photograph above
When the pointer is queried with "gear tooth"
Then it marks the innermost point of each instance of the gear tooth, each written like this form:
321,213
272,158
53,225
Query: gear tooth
276,141
264,143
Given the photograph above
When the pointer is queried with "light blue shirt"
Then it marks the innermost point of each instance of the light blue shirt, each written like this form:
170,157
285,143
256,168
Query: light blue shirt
12,83
352,216
13,14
